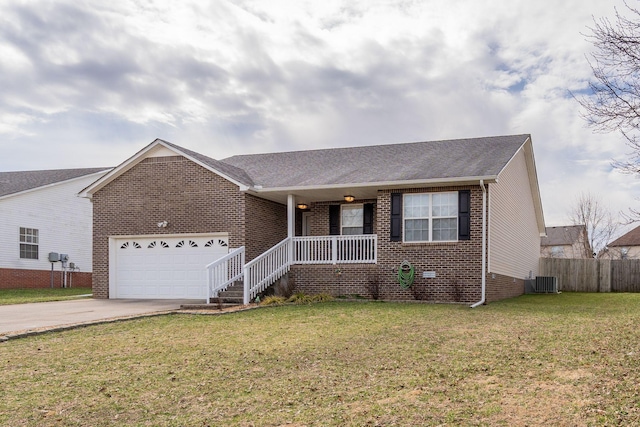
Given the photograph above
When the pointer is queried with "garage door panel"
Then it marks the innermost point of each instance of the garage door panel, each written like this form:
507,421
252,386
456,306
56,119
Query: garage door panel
165,267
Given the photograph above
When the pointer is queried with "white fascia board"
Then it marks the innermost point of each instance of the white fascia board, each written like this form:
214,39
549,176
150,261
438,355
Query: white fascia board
383,184
53,184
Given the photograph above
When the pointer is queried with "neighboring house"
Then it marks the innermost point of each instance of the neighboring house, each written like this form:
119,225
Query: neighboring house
626,246
569,241
42,213
338,220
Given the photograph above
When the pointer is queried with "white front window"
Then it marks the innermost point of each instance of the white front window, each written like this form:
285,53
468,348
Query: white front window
351,219
430,217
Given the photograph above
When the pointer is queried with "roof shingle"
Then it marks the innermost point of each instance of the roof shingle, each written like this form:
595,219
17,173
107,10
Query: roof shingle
16,182
450,159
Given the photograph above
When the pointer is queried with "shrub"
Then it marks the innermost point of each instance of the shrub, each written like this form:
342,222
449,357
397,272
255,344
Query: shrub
273,300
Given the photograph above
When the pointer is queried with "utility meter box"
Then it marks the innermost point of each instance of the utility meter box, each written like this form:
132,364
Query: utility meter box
72,265
54,257
64,257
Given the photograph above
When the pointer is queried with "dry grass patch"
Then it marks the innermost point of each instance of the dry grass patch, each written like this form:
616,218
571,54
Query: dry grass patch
570,359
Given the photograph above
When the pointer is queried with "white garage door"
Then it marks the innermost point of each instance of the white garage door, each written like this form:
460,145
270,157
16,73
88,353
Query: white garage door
160,267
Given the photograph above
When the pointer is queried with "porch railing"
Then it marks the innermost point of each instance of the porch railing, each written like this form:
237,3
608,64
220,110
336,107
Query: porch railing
224,271
264,270
355,249
261,272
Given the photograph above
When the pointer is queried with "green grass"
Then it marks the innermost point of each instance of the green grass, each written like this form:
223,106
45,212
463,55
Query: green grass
21,296
569,359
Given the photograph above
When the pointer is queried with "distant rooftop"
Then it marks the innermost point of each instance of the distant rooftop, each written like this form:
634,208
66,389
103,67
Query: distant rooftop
632,238
16,182
562,235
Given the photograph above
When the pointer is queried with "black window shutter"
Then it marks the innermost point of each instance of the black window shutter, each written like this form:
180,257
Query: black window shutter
464,215
334,220
367,226
396,217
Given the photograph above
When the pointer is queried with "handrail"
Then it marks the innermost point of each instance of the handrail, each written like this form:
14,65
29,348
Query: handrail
265,269
224,271
342,249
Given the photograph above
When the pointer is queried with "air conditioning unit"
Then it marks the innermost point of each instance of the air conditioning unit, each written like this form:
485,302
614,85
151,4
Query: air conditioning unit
546,285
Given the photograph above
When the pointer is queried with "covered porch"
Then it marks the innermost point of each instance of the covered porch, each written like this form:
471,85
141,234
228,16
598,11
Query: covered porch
351,241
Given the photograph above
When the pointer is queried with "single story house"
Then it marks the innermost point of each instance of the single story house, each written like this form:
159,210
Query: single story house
41,213
458,220
568,241
626,246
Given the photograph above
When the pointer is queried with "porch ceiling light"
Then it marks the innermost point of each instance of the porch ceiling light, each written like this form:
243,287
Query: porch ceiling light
302,206
349,199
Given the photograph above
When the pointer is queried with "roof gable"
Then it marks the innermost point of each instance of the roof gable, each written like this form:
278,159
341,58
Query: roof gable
17,182
160,147
632,238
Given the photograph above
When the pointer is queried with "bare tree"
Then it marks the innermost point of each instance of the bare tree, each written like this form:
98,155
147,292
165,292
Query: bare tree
600,223
614,104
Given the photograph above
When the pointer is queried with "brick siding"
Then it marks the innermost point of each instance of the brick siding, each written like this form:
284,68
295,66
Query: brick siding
13,278
457,265
191,198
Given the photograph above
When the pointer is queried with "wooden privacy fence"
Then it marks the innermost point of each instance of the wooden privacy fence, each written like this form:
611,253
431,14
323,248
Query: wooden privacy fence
593,275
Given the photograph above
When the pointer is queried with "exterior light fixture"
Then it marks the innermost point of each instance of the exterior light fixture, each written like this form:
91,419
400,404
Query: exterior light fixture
302,206
163,224
349,199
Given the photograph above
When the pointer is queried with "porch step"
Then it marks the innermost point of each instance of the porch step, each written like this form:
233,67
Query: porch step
233,295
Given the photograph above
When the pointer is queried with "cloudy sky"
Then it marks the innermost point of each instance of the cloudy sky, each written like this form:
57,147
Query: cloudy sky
89,83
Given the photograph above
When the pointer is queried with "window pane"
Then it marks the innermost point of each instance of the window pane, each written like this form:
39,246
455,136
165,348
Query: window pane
349,231
416,230
352,219
445,229
445,204
416,206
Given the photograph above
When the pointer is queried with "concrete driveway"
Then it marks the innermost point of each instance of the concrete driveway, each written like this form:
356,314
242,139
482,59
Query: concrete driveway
24,318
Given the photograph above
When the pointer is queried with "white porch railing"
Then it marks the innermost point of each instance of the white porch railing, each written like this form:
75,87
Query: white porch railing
264,270
224,271
355,249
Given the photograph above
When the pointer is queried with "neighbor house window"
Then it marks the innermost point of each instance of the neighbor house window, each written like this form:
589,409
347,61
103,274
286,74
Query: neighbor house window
28,243
430,217
557,252
352,217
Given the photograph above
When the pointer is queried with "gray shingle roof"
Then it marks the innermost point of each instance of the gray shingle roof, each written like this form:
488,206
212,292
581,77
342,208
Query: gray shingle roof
631,238
450,159
15,182
228,169
564,235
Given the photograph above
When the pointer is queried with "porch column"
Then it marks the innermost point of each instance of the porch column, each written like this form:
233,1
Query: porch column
291,224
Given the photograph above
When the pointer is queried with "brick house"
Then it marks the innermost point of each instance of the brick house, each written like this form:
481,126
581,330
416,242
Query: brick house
42,213
465,215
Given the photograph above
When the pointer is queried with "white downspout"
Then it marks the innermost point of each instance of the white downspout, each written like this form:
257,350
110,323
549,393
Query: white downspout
484,245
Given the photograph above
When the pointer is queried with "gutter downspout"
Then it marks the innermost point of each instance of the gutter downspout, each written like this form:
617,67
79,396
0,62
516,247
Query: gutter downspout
484,245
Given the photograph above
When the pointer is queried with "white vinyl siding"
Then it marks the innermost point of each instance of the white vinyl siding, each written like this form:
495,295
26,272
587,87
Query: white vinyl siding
430,217
514,236
63,221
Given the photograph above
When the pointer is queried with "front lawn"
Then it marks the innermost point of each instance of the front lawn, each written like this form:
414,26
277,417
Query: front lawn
21,296
538,360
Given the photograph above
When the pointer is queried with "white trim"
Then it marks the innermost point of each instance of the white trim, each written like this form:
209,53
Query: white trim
384,184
